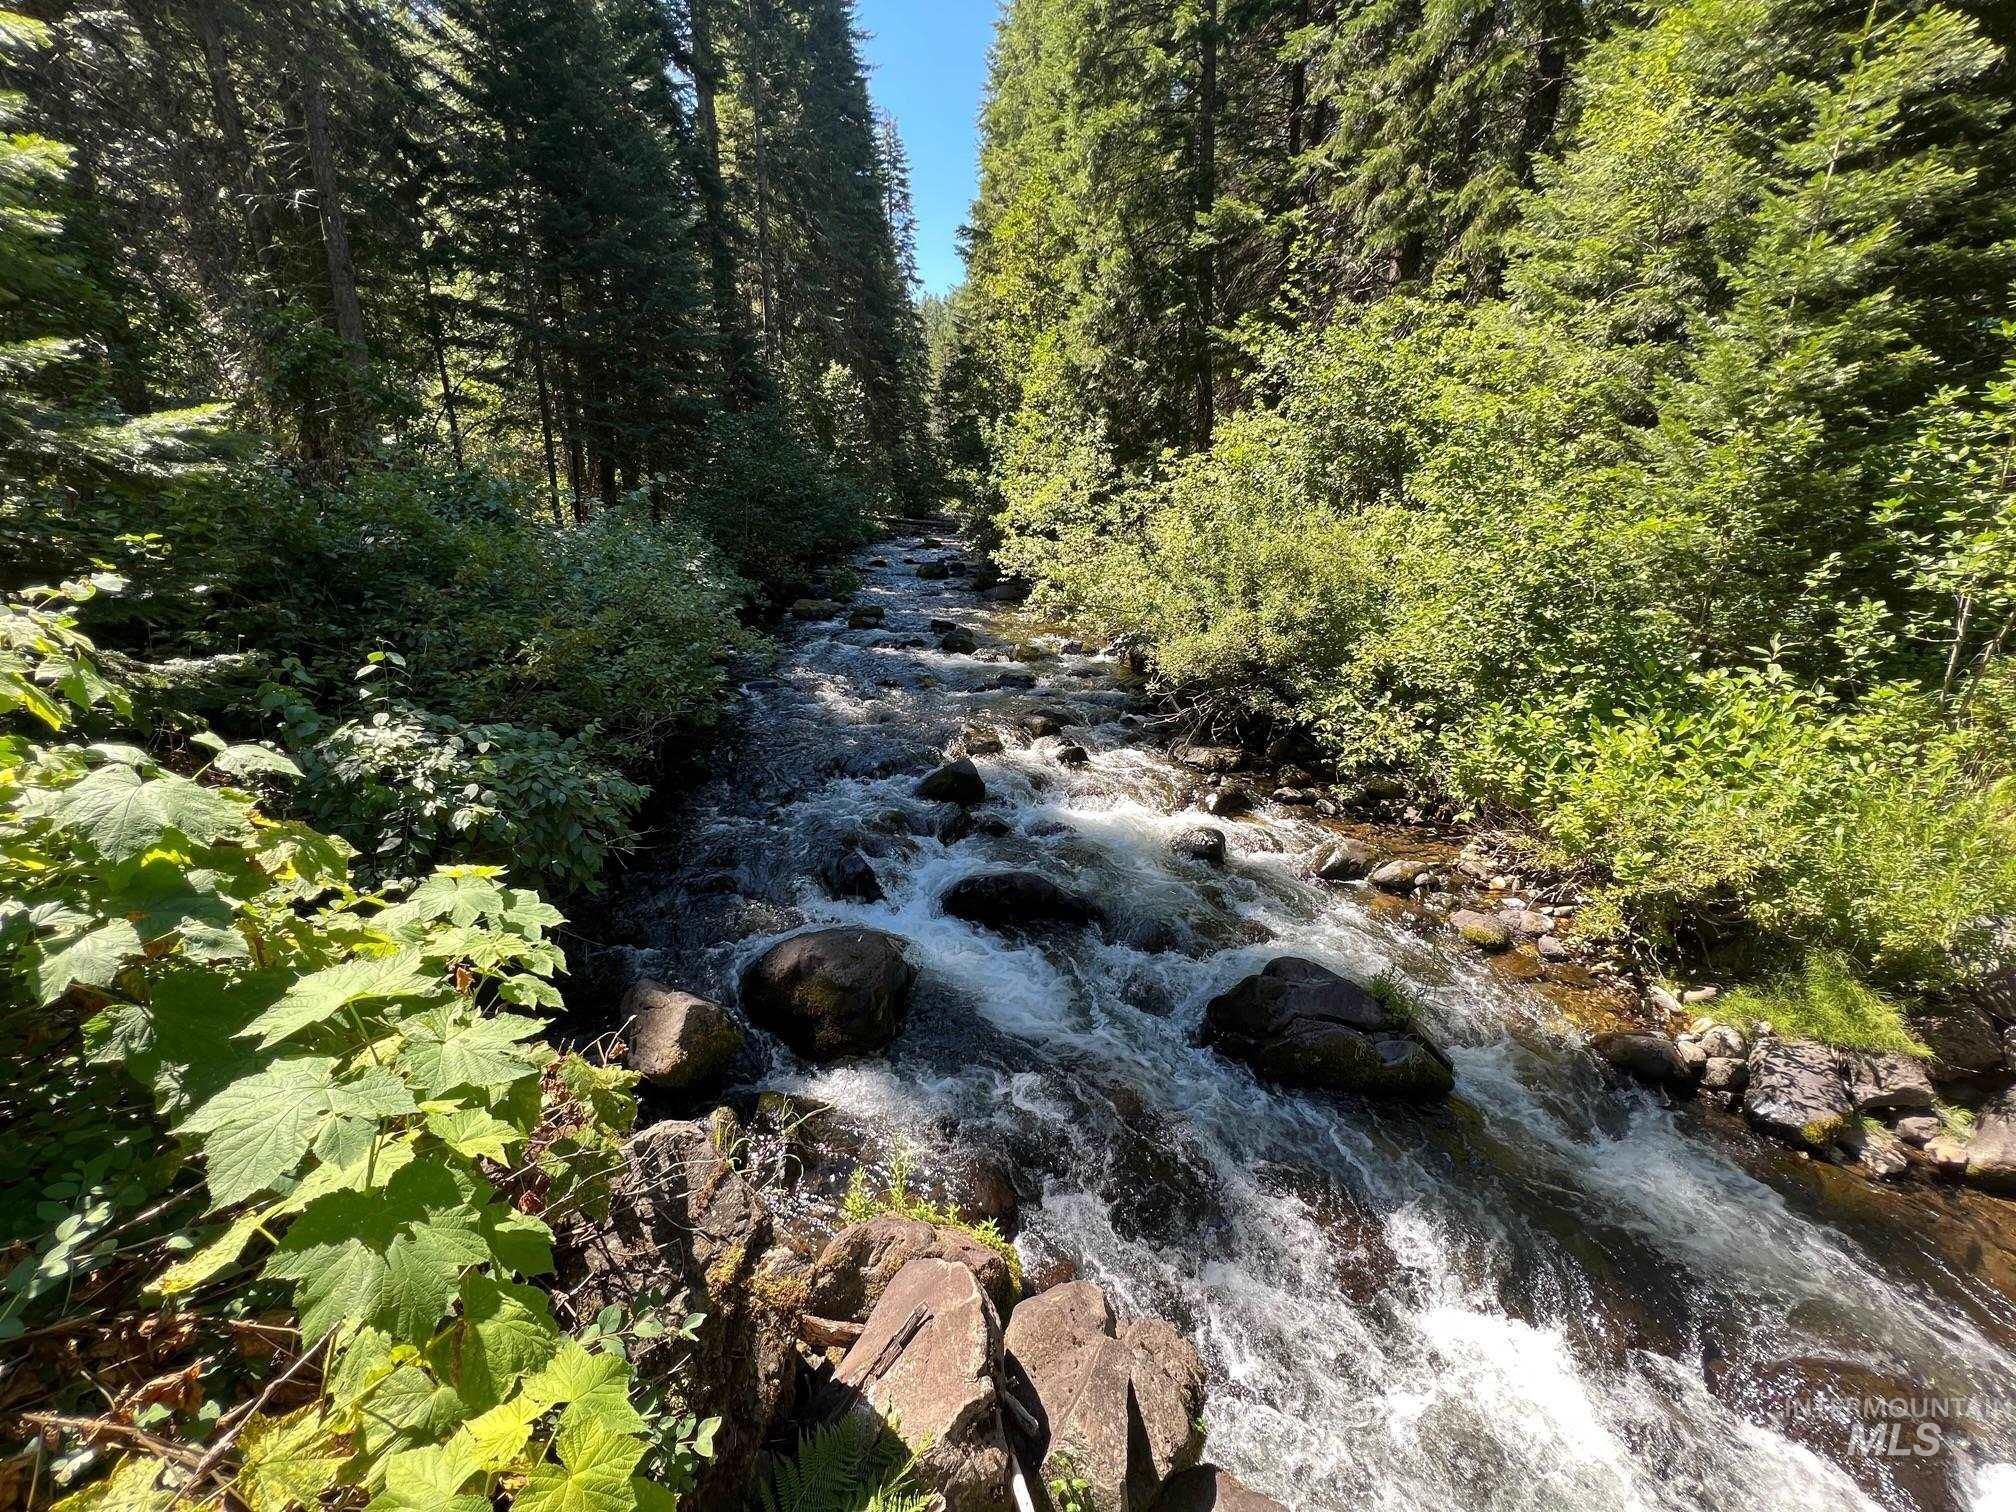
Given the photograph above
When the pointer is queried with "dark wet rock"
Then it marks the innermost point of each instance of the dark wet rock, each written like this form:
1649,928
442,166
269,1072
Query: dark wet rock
1011,899
1212,758
1646,1056
1879,1152
852,875
1724,1073
1070,755
867,617
1888,1084
1798,1091
859,1262
1399,876
1040,726
993,826
1226,802
978,740
958,641
942,626
682,1222
928,1364
1965,1045
1342,861
1200,844
1486,932
1302,1023
678,1042
1294,797
813,609
1013,681
1117,1404
1206,1488
955,567
1005,593
955,782
831,992
1991,1154
932,572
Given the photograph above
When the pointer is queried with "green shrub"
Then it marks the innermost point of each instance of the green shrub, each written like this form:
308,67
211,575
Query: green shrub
257,1093
1826,1001
412,788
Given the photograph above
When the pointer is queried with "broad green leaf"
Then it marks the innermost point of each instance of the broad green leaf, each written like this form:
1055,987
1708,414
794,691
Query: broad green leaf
447,1051
593,1474
387,1258
287,1462
122,814
322,994
474,1134
129,1488
93,959
255,761
505,1331
258,1128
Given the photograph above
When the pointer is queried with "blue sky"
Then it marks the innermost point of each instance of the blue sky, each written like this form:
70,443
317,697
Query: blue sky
927,63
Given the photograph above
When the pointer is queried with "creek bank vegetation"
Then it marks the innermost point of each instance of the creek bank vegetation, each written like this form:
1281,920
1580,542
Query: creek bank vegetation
410,415
1599,424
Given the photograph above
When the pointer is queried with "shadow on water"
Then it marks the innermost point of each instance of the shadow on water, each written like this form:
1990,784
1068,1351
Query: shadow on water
1547,1294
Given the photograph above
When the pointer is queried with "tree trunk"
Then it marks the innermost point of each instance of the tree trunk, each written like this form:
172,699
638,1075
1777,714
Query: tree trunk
244,163
1207,199
728,320
757,17
343,302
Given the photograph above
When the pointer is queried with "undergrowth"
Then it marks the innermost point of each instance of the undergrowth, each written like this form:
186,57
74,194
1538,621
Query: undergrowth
863,1204
1826,1001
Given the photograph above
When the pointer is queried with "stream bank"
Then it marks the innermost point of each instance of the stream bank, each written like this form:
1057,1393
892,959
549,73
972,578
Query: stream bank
1545,1291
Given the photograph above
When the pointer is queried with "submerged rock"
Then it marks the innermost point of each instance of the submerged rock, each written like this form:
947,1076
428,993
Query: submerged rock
1342,861
928,1366
678,1042
1647,1056
1485,931
1200,844
1302,1023
831,992
1008,899
1798,1091
852,875
867,617
955,782
1226,802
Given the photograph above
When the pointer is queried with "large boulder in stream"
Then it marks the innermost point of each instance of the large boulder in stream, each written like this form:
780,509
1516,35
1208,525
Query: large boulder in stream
831,992
1798,1091
1116,1404
1302,1023
928,1365
955,782
1646,1055
1015,900
684,1223
678,1042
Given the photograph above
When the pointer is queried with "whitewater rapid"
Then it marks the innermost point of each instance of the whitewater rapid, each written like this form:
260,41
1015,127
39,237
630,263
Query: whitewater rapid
1548,1294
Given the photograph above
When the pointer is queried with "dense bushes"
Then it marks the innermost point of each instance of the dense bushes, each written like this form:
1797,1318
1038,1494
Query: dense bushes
287,1132
1695,544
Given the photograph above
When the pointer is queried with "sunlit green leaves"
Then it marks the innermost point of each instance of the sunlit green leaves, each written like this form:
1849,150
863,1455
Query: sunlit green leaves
322,994
122,814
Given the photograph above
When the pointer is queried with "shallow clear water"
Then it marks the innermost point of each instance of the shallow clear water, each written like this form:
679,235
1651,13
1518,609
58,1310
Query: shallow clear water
1548,1294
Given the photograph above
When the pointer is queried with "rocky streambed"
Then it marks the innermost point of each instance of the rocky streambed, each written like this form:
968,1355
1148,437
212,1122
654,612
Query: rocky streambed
1318,1196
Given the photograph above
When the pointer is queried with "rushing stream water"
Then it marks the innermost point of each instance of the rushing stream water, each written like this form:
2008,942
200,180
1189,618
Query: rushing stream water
1546,1294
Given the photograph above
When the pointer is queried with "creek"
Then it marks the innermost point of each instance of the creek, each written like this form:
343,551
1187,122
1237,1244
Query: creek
1547,1293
